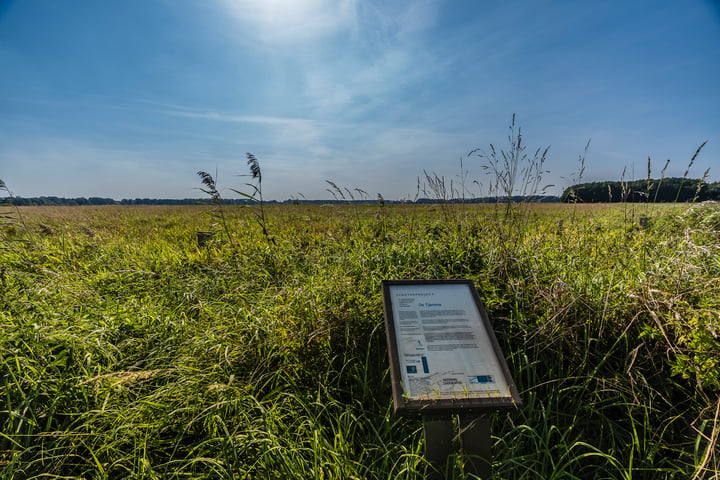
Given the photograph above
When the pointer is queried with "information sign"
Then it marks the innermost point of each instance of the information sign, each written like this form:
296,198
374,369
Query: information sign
443,352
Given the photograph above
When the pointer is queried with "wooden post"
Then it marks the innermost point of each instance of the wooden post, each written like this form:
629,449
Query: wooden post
438,432
475,440
477,445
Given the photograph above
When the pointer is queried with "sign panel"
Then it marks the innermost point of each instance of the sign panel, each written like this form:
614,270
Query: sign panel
443,351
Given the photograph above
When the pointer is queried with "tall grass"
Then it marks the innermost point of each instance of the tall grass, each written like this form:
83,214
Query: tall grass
513,172
252,194
128,353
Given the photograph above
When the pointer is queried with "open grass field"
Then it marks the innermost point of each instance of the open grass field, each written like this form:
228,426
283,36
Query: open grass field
128,352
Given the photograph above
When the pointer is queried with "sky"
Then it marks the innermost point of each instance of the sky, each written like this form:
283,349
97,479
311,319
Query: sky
131,99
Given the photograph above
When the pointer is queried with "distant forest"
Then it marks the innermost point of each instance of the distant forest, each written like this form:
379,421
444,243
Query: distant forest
61,201
640,191
653,191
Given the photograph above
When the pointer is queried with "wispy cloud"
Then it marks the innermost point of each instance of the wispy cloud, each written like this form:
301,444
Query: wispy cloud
292,132
392,58
347,57
288,22
299,154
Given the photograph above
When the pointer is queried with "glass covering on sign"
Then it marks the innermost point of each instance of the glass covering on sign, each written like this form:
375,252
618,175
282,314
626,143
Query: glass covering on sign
443,346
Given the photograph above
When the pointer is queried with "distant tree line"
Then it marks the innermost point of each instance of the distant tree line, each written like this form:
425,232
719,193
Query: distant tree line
640,191
61,201
515,199
665,190
51,201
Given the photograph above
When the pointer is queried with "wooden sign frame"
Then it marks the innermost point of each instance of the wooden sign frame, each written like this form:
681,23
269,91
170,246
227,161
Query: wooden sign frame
444,356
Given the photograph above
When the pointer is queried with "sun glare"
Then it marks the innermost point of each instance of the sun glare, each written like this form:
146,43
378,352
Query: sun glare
292,19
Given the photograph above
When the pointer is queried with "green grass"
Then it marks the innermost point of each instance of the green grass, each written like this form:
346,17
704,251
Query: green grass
127,352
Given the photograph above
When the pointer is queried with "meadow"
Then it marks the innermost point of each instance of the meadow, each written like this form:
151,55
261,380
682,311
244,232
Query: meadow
128,351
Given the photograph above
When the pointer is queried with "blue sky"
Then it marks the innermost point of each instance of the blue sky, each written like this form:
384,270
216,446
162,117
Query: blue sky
130,99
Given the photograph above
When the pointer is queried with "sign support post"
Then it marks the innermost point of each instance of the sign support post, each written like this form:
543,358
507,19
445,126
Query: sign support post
477,445
438,432
446,361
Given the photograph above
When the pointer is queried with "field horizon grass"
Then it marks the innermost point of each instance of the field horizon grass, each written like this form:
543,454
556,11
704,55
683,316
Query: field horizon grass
130,352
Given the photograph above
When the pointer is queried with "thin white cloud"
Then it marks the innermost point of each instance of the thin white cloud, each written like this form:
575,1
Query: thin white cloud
290,21
346,57
234,118
393,58
288,131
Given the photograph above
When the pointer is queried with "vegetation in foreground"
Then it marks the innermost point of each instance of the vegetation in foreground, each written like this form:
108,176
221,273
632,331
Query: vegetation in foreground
129,352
